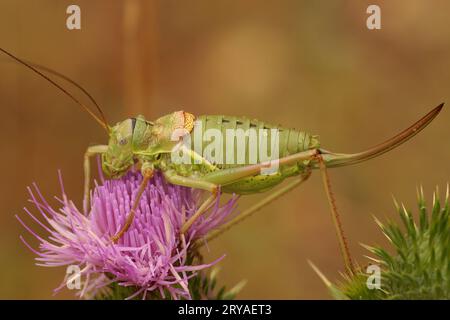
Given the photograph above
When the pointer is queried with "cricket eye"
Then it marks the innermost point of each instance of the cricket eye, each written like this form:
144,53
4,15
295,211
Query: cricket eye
123,142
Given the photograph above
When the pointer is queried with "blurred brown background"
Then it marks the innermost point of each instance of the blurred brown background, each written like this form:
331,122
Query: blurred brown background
312,65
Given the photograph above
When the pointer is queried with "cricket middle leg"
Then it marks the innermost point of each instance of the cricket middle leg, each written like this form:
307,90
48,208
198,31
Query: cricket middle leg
147,174
197,183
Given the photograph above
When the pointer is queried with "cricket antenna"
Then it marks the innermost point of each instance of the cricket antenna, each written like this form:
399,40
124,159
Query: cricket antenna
102,120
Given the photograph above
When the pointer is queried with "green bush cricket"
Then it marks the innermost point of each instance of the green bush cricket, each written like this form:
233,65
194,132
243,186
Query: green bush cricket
149,145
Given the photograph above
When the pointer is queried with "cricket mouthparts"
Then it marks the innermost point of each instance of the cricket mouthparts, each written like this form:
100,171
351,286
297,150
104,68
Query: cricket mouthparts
343,159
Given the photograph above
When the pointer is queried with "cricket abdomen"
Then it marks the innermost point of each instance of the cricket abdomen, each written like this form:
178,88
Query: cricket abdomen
290,141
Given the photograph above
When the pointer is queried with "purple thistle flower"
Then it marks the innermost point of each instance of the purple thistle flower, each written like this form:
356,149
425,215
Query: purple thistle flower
151,256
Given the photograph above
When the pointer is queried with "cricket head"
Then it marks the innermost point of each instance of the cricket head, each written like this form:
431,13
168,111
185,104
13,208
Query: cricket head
136,135
119,157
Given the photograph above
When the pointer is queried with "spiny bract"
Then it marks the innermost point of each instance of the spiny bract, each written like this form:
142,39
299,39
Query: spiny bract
420,266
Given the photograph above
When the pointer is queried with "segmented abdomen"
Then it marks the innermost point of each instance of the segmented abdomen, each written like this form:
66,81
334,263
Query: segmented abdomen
290,141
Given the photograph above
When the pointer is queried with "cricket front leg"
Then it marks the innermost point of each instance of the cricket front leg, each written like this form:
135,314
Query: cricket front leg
197,183
91,151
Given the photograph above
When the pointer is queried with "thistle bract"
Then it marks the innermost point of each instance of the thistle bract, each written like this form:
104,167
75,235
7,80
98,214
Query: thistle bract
419,265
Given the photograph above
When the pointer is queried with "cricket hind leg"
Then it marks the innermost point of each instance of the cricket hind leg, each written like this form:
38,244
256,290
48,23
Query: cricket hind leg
91,151
253,209
343,245
212,181
228,176
231,175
